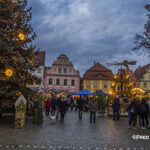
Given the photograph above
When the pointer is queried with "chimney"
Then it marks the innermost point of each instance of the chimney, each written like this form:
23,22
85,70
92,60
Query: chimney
94,62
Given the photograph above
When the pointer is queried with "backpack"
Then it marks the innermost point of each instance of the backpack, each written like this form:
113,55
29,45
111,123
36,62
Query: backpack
143,108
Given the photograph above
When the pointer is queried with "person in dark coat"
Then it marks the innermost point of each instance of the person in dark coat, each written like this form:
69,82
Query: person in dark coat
63,108
143,112
58,107
93,106
80,104
47,107
116,108
53,106
139,120
133,110
71,103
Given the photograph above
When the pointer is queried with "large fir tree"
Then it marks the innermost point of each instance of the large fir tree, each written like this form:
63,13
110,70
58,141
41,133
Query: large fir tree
16,49
142,41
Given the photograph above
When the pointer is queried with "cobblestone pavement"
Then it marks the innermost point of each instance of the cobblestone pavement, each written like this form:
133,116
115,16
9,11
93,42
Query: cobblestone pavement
72,134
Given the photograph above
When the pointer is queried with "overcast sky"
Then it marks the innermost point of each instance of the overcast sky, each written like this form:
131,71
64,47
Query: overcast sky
89,30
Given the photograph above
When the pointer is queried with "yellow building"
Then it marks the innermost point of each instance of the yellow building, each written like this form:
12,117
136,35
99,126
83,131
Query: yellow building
98,77
142,75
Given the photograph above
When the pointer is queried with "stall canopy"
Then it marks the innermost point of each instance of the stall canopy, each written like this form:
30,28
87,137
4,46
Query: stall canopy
105,94
83,92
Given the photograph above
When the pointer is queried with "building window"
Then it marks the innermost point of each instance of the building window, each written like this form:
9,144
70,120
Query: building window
72,82
88,85
57,81
39,70
50,81
59,70
95,85
105,85
65,81
145,84
65,70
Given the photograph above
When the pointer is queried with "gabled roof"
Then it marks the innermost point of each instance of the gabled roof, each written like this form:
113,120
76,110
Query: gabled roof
98,72
63,56
140,71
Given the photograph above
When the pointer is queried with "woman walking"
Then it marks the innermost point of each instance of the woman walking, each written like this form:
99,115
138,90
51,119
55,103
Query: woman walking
47,107
93,106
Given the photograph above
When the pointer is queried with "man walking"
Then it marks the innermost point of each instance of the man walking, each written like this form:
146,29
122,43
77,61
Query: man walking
143,112
116,108
63,108
80,103
53,106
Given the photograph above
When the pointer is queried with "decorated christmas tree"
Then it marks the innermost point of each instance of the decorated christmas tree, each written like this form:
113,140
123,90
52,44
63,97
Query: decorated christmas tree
16,49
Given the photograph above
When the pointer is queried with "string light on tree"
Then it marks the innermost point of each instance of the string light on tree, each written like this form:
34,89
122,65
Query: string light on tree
9,72
21,36
15,48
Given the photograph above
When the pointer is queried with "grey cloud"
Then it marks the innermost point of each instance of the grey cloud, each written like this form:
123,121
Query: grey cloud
87,30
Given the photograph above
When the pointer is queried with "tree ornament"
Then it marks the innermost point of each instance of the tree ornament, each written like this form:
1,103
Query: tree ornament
9,72
21,36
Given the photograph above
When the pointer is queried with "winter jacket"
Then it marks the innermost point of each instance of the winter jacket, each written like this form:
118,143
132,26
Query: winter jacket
93,106
63,106
47,104
116,105
133,107
143,108
53,103
80,103
71,100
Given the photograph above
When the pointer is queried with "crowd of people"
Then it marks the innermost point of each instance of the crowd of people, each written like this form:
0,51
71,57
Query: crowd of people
138,112
58,107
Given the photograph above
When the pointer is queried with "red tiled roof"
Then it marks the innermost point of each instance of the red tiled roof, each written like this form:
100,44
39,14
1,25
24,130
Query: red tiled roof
140,71
40,58
98,72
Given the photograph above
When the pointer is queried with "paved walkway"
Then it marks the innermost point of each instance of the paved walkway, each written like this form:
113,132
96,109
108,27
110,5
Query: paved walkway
72,134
